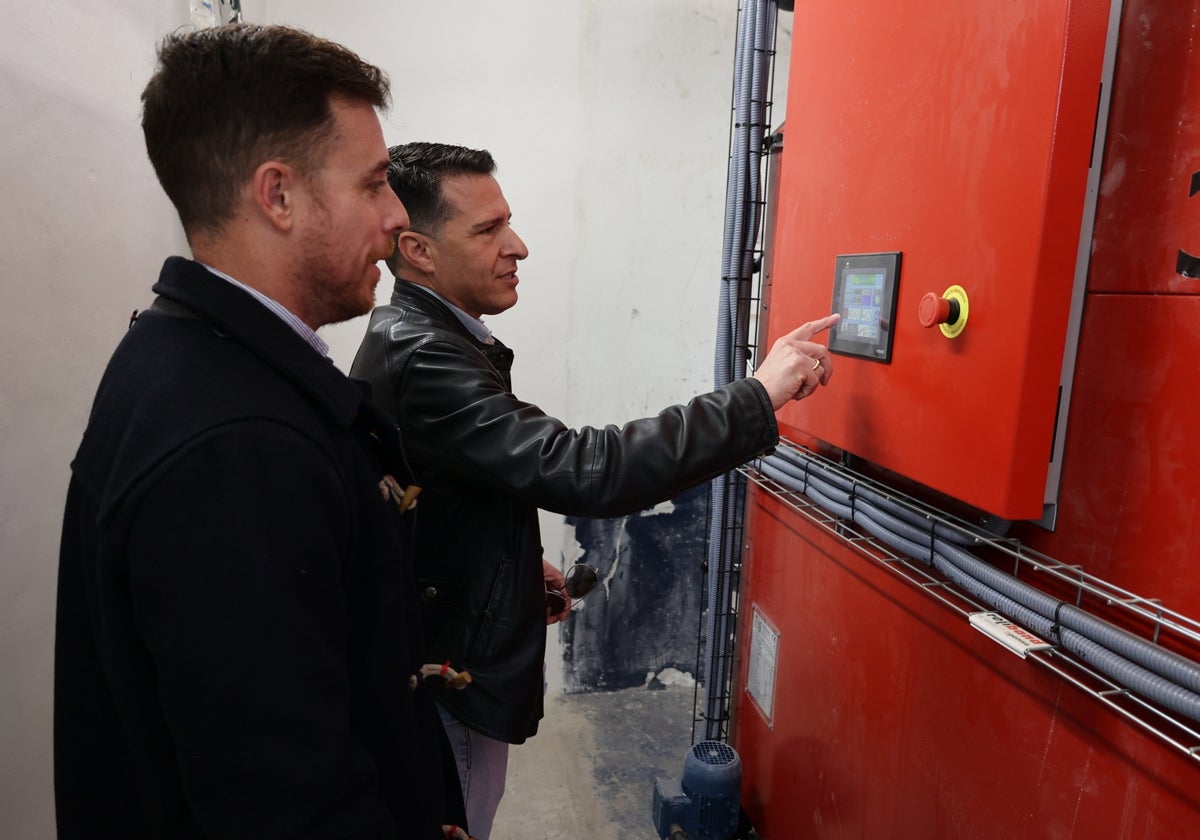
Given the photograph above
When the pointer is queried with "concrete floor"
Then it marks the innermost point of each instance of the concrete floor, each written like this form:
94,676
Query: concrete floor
590,770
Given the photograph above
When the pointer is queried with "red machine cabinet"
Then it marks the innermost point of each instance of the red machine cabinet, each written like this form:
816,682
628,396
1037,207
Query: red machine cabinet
889,717
960,135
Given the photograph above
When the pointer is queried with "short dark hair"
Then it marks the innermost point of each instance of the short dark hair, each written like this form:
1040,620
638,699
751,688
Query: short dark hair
225,99
416,172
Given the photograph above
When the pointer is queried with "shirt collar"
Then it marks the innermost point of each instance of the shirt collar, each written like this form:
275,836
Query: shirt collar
476,327
301,329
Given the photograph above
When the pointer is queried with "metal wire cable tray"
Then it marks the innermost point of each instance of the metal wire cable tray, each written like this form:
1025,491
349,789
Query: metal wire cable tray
1149,613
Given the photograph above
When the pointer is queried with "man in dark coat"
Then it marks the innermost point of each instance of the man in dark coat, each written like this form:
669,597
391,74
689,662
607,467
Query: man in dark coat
237,649
487,460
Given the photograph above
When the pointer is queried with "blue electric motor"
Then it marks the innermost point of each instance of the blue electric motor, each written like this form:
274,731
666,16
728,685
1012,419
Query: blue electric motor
705,803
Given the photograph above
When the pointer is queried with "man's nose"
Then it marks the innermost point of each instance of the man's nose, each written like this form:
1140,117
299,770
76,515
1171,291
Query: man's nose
516,246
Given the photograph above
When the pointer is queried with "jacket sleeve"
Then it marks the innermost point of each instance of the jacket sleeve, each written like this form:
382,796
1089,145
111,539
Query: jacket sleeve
236,573
461,421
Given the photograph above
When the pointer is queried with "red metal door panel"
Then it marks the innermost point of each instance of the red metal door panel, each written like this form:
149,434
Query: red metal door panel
1130,506
1148,212
958,134
893,719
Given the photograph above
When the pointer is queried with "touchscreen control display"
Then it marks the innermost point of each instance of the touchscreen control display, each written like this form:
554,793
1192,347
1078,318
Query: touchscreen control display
864,292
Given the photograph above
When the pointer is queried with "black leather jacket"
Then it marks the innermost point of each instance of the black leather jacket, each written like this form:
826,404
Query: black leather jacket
487,461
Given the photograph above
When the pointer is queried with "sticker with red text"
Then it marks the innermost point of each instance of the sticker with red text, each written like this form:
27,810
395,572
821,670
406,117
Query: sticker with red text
1014,637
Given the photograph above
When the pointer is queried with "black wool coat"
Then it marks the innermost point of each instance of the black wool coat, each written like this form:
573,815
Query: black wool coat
236,628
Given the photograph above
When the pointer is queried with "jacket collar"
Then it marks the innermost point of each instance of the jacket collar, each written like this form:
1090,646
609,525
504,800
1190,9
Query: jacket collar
410,296
238,315
413,296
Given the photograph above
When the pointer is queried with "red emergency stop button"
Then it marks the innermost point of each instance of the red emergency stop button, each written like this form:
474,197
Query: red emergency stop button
936,309
947,311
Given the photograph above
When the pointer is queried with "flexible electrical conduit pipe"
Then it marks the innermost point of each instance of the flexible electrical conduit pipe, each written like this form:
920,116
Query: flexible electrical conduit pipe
1050,612
1046,612
755,34
1146,668
888,504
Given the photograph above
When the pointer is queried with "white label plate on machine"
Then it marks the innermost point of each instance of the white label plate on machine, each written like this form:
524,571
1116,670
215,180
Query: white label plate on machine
1014,637
760,673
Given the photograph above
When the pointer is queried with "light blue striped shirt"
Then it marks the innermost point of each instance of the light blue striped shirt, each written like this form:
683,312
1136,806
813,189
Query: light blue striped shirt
301,329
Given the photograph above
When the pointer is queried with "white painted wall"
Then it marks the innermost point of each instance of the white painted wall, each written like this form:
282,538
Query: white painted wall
609,120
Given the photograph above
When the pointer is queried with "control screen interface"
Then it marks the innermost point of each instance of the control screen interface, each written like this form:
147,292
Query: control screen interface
864,292
862,302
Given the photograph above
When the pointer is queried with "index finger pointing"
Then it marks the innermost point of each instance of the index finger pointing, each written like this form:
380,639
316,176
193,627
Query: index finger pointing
806,331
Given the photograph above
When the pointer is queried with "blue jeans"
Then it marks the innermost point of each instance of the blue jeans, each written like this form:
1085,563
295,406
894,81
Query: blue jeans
482,765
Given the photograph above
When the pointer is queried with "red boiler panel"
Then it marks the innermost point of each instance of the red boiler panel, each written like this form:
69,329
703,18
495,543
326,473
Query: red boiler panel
891,718
959,135
1148,221
887,716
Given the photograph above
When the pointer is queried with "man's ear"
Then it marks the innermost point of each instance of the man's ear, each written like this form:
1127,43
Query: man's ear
274,189
417,250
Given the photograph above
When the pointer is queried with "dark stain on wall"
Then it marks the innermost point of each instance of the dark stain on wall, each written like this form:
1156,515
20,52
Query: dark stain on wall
644,614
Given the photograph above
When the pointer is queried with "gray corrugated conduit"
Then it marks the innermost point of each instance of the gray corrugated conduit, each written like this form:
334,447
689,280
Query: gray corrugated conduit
752,58
1149,670
890,505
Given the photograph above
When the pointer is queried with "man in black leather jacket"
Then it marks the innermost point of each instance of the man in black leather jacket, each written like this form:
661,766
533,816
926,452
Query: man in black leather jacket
487,461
